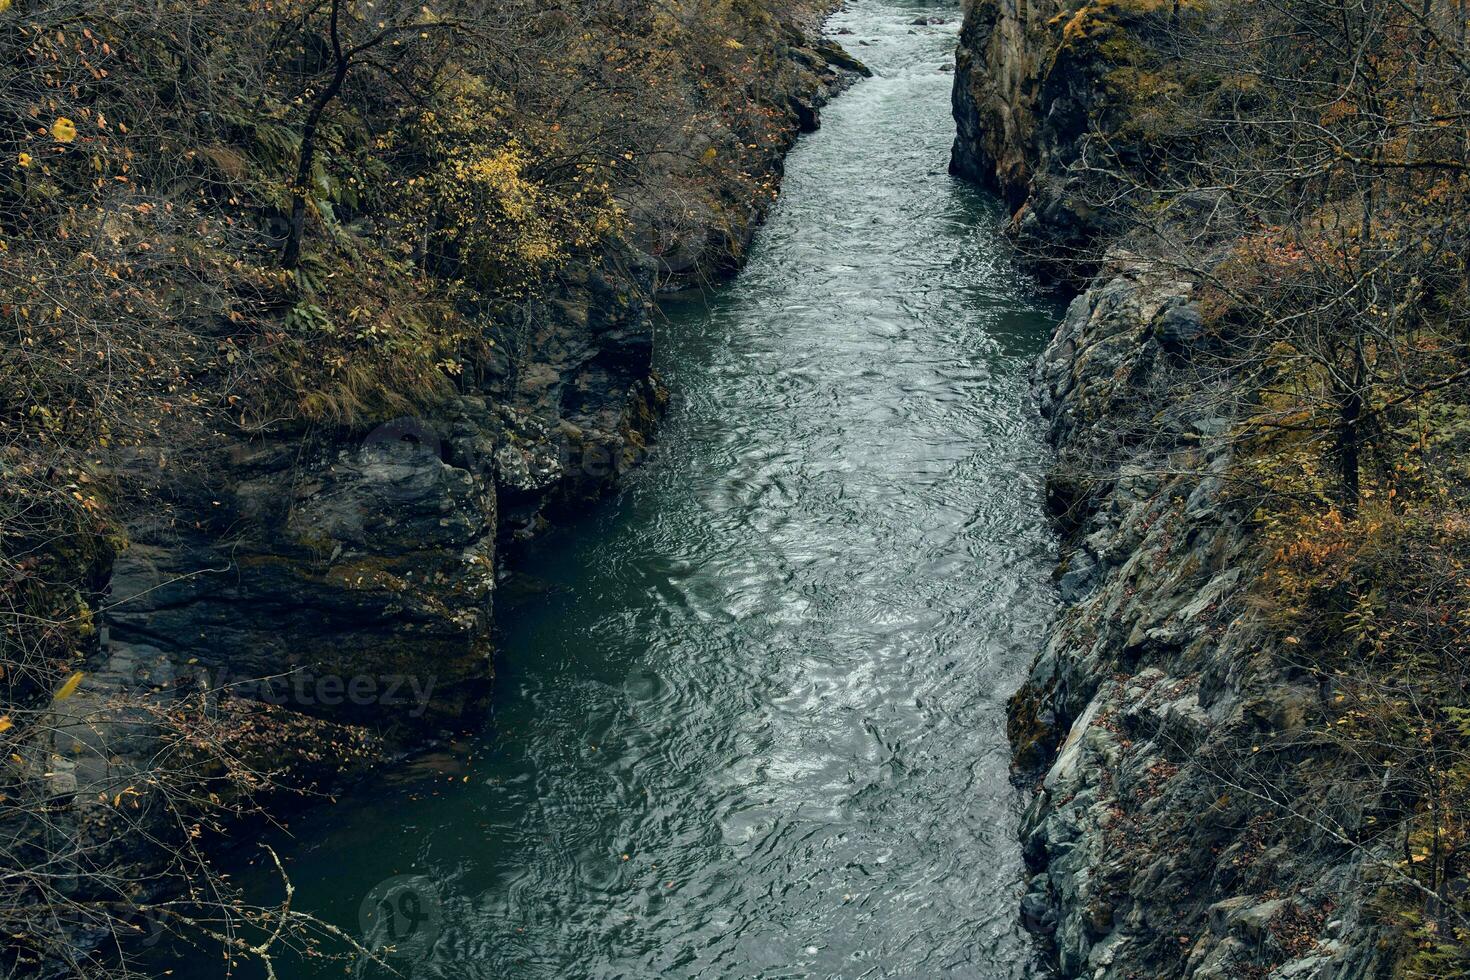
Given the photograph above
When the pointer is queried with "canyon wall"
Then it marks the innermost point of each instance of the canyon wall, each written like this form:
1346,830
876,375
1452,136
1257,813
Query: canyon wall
334,584
1160,716
1163,732
1022,103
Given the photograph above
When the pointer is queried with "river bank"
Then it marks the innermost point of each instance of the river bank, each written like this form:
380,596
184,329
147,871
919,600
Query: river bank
1192,733
1152,829
295,603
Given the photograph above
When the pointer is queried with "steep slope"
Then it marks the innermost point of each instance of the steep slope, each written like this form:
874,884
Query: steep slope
1233,775
1168,724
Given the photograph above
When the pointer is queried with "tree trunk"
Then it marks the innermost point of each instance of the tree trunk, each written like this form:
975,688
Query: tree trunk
296,229
1349,451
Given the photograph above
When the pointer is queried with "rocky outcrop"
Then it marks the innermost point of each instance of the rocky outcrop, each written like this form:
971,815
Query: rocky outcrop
1169,743
1033,82
367,559
1162,833
999,69
301,607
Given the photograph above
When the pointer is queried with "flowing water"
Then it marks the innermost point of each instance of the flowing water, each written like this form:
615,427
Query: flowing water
753,726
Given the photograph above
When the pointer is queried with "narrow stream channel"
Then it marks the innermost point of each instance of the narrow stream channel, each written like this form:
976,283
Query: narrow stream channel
753,724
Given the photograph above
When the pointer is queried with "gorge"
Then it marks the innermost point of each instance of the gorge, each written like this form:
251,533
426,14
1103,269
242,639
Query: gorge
740,488
749,716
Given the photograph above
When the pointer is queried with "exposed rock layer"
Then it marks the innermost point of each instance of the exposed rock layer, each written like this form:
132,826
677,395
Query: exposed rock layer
1158,721
1158,845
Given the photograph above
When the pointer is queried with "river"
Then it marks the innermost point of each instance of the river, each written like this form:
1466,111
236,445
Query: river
752,723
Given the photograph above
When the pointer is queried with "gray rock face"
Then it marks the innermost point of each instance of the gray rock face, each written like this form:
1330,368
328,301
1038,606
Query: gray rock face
378,559
1151,854
1167,733
1025,99
363,559
328,595
1026,96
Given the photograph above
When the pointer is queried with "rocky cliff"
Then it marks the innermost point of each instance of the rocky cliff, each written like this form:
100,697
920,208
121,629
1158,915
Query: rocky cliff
321,597
1048,97
1166,727
1022,103
1169,738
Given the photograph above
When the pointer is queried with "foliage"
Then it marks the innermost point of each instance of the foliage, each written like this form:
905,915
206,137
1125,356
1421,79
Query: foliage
1303,164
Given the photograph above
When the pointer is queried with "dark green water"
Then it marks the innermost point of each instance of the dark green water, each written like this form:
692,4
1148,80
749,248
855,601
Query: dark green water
756,726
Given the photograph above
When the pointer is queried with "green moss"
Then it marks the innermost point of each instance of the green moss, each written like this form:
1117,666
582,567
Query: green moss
1033,740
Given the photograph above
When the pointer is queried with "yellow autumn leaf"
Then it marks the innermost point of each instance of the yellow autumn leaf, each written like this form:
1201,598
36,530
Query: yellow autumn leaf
63,130
25,158
70,687
5,723
4,6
